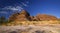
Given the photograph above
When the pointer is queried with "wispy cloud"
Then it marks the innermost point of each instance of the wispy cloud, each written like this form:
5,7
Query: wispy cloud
3,12
27,2
24,4
17,8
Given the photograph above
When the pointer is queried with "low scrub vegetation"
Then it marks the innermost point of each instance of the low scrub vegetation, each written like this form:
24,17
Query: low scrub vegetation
14,23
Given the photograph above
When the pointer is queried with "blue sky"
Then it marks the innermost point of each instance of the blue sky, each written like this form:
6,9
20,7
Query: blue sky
50,7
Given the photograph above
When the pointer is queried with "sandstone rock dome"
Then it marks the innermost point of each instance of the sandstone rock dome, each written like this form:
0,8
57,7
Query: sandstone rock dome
46,17
22,16
25,16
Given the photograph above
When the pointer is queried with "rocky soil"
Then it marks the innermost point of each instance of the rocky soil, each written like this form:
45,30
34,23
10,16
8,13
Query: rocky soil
31,29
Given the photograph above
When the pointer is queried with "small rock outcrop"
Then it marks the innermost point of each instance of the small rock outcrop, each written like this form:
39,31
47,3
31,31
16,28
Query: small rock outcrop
34,18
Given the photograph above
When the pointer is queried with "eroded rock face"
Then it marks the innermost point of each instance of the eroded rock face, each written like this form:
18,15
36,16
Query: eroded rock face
25,16
22,16
34,18
46,17
59,19
13,17
24,12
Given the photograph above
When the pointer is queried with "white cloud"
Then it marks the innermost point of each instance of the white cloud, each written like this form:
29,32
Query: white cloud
17,8
27,2
3,12
24,4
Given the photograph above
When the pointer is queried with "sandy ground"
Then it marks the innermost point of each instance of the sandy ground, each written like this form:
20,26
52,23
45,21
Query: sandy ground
31,29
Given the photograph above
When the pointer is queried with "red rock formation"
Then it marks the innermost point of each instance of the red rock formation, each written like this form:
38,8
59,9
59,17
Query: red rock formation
46,17
59,19
22,16
34,18
13,17
25,16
